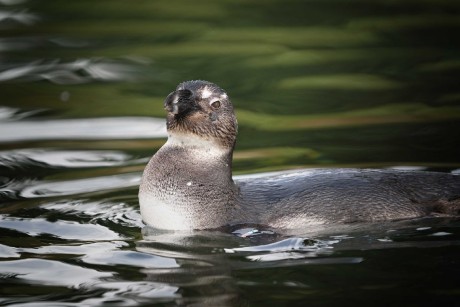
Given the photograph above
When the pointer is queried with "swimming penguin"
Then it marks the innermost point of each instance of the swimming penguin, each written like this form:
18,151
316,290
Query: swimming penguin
188,183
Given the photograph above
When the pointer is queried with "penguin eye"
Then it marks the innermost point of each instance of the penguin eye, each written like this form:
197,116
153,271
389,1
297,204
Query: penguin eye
215,104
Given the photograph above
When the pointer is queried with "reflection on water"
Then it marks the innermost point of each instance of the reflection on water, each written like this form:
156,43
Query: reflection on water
62,158
131,258
76,72
79,186
113,210
38,271
12,2
83,129
82,85
11,114
60,229
21,17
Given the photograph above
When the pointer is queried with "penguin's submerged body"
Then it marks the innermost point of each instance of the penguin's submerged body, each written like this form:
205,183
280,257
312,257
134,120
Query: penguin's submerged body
188,183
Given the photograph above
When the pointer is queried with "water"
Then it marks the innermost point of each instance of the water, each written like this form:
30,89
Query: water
315,84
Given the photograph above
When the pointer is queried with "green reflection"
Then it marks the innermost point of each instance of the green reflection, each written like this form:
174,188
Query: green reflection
292,69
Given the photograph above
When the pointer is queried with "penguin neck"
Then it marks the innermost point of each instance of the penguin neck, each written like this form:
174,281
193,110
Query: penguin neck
205,151
188,185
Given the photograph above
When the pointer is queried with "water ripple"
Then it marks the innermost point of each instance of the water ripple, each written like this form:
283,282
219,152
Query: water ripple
48,272
290,244
118,294
82,249
79,186
65,158
12,2
291,249
21,17
131,258
8,252
60,229
11,114
133,293
80,71
106,210
83,129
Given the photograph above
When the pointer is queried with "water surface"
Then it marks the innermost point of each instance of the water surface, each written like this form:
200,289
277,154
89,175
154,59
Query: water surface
315,84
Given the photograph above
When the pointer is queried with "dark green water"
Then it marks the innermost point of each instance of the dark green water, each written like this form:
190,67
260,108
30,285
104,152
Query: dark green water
315,84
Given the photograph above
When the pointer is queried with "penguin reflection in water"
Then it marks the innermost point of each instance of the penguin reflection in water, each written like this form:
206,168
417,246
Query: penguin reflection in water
188,183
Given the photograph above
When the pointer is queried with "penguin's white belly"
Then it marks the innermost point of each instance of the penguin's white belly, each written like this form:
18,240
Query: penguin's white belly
159,213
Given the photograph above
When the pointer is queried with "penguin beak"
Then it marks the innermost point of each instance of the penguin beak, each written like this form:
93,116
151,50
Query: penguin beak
179,102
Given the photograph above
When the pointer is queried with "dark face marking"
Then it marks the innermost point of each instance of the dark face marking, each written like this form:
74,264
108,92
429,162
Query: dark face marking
213,116
180,102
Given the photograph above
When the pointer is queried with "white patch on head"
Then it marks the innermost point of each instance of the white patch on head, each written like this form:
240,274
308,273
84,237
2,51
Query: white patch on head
223,96
205,93
213,100
189,183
